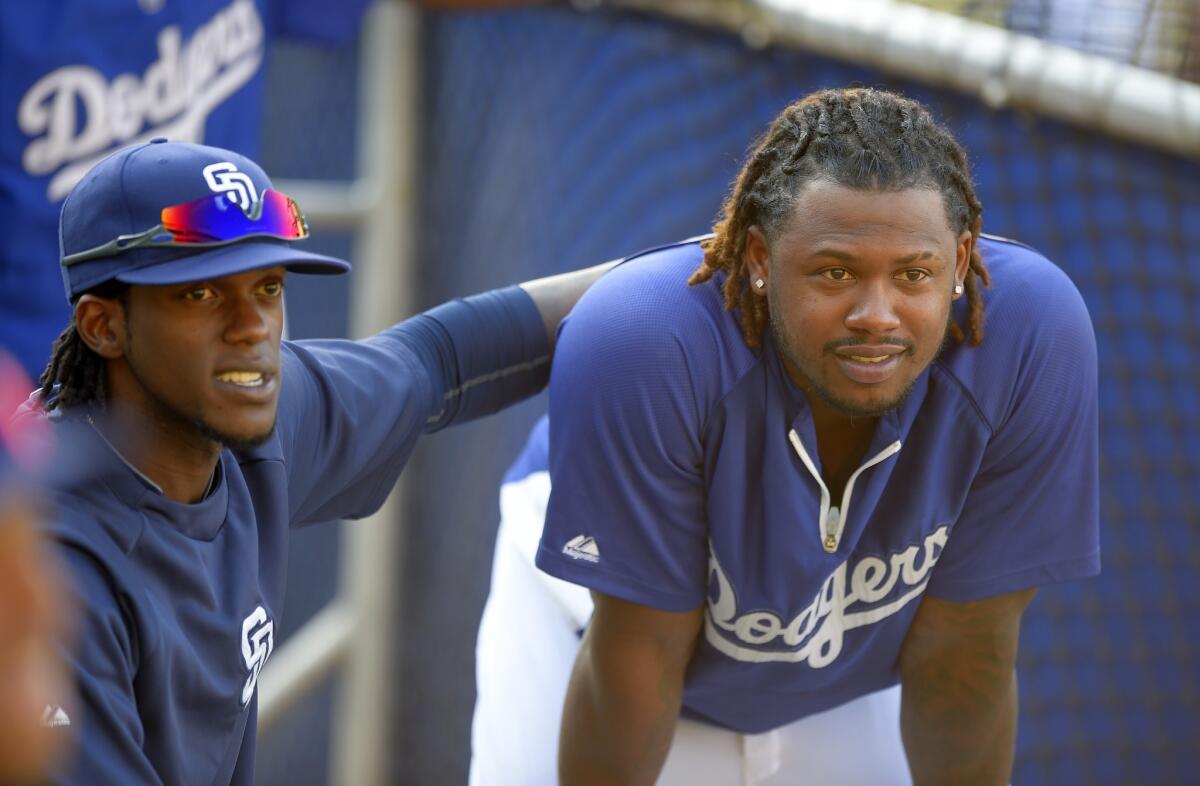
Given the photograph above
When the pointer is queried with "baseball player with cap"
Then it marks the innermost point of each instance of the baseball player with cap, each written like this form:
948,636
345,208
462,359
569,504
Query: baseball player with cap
81,79
221,437
810,489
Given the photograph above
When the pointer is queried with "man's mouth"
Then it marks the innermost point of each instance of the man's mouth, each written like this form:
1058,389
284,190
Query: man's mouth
245,379
870,364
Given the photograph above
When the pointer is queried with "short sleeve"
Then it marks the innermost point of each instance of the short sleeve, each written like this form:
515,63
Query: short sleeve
1031,516
626,515
107,732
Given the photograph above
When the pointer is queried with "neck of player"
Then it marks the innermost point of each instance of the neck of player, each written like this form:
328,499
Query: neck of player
174,455
842,440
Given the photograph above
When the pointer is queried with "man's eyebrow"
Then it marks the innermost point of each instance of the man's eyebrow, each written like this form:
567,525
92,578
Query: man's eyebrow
842,256
835,254
910,258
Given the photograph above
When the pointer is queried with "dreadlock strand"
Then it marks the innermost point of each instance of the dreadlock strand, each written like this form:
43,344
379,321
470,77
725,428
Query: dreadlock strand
75,372
726,250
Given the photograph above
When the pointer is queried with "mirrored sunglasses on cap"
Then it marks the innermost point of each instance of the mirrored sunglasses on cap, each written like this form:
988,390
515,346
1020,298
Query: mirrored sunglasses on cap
209,221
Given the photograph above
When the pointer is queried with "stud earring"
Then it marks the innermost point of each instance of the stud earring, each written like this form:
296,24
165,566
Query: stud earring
958,289
759,283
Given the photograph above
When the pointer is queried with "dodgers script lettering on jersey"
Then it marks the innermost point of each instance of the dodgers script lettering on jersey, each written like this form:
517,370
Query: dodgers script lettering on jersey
75,114
700,482
80,79
872,591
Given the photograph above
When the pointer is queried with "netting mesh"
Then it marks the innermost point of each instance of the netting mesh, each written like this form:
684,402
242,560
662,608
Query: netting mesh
554,139
1162,35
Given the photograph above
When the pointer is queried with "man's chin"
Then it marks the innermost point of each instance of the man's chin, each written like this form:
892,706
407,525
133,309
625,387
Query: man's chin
245,443
250,438
863,406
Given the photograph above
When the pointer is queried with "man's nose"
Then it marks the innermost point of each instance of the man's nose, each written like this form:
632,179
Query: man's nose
249,321
873,311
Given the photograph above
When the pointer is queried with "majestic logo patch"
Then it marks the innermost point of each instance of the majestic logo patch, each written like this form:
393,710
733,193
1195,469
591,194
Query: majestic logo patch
54,717
238,188
582,547
873,590
258,640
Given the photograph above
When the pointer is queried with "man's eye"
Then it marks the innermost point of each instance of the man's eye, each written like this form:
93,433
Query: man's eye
272,288
913,276
198,293
836,274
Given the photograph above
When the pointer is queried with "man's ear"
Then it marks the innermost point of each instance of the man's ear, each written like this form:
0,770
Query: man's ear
963,251
100,322
758,254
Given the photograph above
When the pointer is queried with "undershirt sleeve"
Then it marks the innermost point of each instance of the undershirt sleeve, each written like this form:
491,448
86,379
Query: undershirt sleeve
490,351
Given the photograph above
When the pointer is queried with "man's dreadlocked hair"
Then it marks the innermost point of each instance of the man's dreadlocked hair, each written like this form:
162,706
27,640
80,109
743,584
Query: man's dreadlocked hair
859,138
74,369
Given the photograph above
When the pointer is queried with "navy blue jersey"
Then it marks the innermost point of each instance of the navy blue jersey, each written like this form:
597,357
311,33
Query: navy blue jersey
180,603
80,79
685,474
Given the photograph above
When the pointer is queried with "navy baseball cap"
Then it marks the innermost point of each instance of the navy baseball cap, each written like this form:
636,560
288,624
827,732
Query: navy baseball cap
125,195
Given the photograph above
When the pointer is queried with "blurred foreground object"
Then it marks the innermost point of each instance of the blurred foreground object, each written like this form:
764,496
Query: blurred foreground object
30,615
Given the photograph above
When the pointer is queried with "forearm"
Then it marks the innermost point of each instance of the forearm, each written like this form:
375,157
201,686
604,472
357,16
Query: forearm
958,708
492,350
483,353
959,728
625,693
556,295
618,722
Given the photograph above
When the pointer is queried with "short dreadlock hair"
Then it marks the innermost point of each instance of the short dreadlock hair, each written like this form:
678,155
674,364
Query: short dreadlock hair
856,137
75,373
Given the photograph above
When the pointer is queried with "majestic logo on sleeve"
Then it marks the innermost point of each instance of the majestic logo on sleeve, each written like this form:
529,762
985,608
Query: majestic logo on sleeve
870,591
224,178
258,640
54,716
76,116
582,547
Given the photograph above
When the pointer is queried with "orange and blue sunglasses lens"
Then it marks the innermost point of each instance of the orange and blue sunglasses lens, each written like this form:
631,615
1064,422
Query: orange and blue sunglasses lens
216,219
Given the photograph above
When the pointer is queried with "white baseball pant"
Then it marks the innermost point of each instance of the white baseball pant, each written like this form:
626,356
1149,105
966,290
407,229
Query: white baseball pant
527,644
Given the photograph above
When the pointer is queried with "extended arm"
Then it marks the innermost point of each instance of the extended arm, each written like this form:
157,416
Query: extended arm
958,712
625,692
555,296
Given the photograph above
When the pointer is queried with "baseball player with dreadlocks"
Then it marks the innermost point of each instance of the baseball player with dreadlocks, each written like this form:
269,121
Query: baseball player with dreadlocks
812,469
218,437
